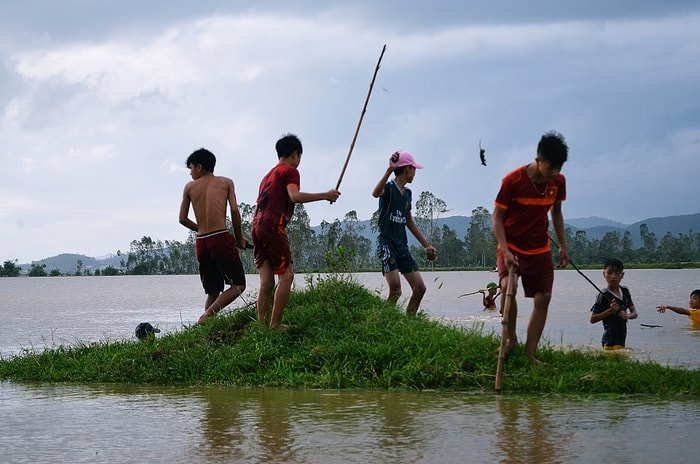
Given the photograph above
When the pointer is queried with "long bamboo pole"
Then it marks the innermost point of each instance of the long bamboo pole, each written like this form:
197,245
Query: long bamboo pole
359,123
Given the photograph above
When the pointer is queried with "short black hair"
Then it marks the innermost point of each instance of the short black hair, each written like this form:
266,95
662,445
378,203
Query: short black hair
287,145
398,171
695,293
203,157
553,148
615,264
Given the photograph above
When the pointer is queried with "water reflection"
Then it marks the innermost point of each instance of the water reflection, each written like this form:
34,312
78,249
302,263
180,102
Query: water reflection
528,434
73,423
247,425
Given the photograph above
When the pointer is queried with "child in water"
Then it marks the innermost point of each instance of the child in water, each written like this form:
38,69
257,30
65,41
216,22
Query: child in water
611,307
693,313
490,295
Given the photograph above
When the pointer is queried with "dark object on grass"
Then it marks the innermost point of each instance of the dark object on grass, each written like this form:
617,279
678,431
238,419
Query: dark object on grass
145,330
482,154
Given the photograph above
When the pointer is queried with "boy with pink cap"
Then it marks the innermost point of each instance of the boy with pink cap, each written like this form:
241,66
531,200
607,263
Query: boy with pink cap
394,217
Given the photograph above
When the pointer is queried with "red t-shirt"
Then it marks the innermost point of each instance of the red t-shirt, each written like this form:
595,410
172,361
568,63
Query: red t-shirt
526,206
273,203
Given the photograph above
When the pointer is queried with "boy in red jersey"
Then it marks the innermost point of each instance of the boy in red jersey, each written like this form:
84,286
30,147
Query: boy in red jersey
521,228
279,191
218,258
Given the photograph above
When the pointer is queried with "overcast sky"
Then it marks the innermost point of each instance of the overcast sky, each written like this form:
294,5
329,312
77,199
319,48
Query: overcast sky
101,102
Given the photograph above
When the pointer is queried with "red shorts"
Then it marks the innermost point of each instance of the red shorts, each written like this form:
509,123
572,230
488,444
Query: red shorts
271,244
219,261
536,272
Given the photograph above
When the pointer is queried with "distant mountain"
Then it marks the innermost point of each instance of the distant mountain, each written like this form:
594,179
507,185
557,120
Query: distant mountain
595,228
594,221
659,226
67,263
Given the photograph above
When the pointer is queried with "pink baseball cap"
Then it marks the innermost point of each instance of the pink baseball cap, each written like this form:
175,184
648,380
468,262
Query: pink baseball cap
406,159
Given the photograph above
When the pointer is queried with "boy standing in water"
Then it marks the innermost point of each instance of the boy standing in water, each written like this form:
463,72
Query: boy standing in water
612,305
394,218
279,191
489,296
218,258
693,313
521,228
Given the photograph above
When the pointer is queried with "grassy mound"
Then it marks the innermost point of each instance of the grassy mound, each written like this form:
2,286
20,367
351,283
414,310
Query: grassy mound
343,336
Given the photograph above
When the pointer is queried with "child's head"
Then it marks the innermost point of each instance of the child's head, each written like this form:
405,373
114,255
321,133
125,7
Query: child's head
553,149
694,302
492,287
287,145
405,160
613,271
203,157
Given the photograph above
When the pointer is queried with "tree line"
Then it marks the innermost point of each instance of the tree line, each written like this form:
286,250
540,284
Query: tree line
341,246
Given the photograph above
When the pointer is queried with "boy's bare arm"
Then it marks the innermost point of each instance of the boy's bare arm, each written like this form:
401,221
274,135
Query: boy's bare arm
675,309
303,197
558,224
411,225
499,232
241,242
379,188
612,309
185,210
431,251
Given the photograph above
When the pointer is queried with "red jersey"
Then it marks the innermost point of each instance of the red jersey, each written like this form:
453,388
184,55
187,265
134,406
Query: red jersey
273,203
526,206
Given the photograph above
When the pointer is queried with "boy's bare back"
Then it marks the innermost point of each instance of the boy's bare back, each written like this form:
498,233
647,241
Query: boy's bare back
209,195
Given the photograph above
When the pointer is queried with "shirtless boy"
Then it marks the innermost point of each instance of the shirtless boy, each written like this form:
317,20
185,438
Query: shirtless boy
217,255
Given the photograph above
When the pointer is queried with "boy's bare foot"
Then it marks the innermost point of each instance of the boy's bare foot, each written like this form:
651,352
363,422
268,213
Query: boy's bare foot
203,318
536,361
281,328
508,347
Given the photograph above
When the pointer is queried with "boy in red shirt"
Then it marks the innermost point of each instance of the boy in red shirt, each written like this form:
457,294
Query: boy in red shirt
521,228
279,191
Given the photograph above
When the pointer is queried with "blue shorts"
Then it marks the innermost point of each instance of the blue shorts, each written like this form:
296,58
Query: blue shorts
393,257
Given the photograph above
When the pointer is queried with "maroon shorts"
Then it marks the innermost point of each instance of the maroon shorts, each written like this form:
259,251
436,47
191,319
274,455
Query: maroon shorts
219,261
536,272
271,244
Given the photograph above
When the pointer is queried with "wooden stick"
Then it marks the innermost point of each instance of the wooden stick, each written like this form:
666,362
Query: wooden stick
510,295
467,294
359,123
579,270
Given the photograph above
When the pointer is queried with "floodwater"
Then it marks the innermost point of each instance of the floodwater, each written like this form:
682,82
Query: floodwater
121,423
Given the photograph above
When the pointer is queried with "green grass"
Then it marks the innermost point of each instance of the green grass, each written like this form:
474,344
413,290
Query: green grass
343,337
